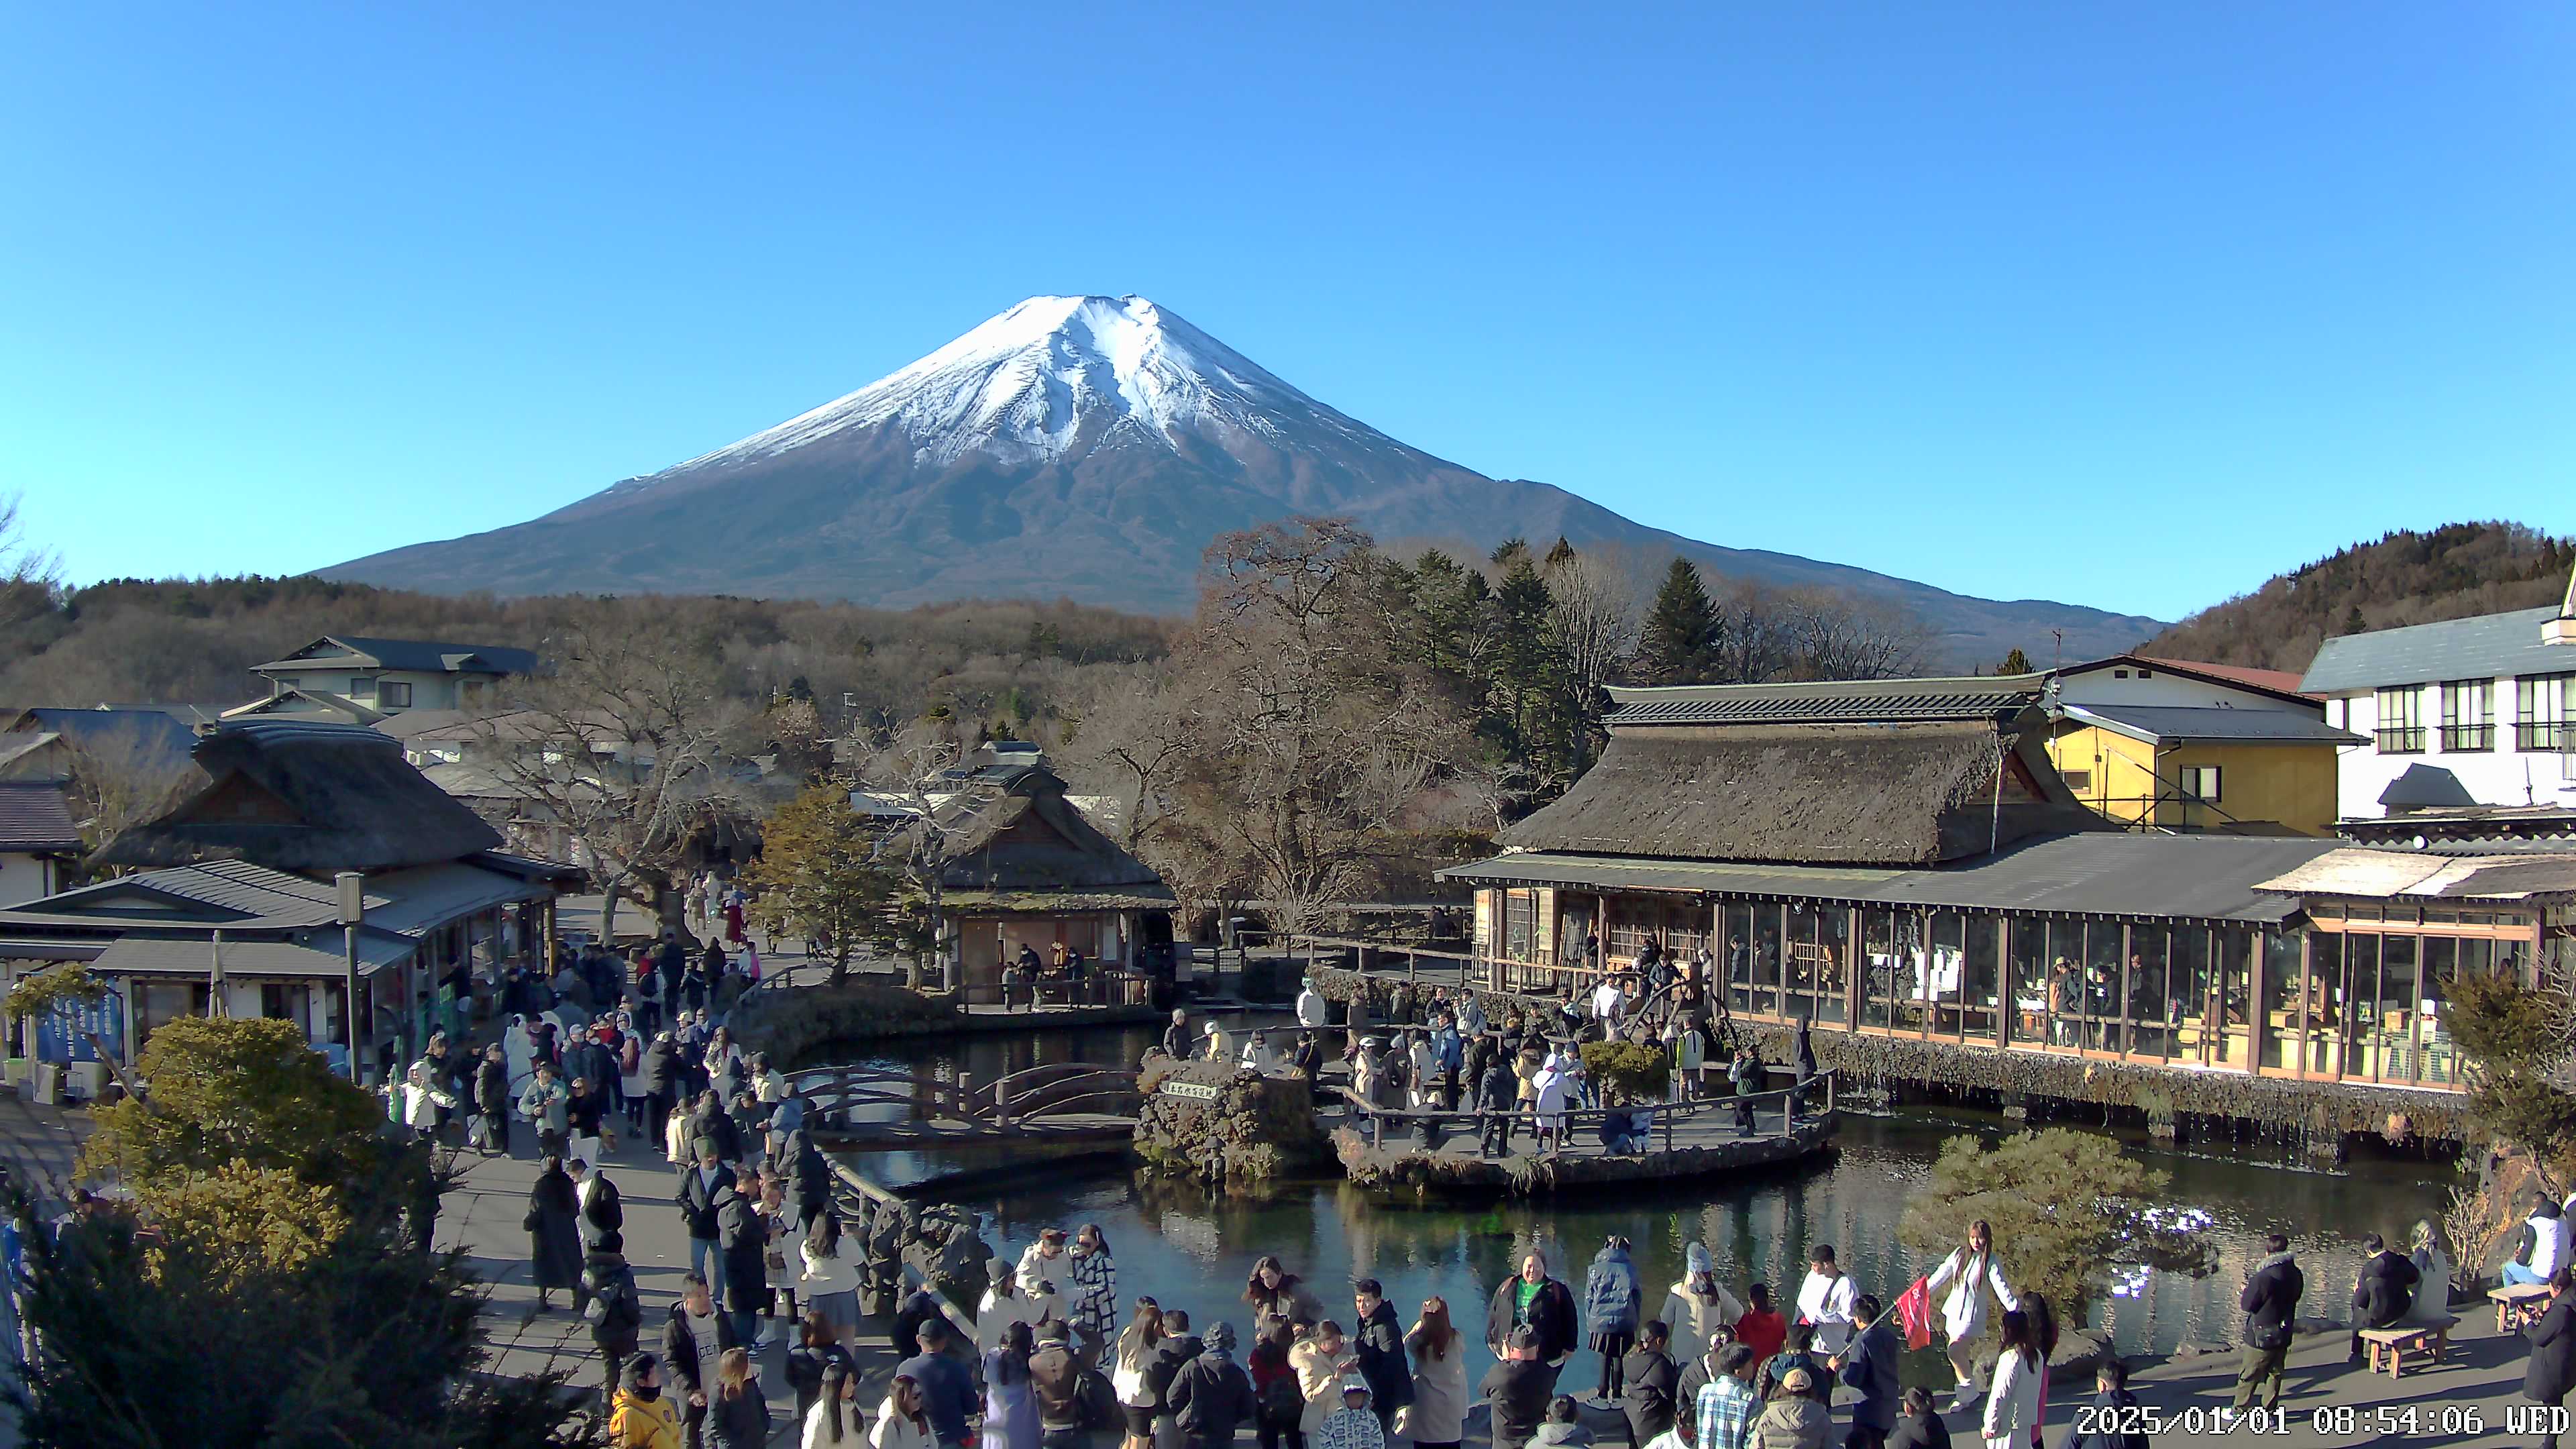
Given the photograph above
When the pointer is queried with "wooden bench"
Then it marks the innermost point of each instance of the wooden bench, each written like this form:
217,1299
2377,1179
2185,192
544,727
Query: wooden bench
2518,1304
2392,1345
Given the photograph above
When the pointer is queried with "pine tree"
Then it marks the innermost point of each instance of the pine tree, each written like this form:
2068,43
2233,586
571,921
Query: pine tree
1562,553
1681,630
2353,623
2015,662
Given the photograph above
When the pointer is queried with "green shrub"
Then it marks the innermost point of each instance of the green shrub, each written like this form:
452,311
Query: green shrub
1627,1070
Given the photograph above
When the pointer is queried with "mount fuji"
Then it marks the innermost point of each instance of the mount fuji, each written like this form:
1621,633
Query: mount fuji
1088,448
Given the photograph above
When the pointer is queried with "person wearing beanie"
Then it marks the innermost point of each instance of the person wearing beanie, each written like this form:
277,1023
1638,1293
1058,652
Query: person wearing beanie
642,1416
1211,1395
1698,1305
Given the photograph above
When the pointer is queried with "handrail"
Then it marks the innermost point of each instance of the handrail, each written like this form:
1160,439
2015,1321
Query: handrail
1665,1114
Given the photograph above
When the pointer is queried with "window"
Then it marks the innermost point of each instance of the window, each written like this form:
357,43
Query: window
2401,720
2200,782
2468,715
1520,924
362,687
2079,781
394,694
2544,706
2119,674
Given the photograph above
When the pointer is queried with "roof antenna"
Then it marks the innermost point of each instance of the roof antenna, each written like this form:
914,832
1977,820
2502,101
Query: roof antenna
2057,657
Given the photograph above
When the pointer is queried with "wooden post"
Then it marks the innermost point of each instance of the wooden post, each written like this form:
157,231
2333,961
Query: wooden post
1829,1094
963,1095
1002,1102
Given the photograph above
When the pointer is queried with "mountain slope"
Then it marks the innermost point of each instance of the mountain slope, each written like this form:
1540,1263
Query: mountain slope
2455,571
1087,448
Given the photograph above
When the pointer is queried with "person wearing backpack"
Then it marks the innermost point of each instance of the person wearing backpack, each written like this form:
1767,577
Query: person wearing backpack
615,1311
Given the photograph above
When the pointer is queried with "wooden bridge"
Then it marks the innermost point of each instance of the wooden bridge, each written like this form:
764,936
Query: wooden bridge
1061,1102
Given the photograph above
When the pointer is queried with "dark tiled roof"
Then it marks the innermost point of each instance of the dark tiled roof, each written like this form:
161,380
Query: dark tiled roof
34,816
2199,722
1837,701
421,655
2490,646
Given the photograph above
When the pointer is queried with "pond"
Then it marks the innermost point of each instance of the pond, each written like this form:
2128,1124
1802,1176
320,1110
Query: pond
1175,1243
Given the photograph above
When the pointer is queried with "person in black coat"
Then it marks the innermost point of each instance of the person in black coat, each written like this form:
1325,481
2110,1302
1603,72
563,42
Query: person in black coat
1498,1098
811,1173
1650,1384
1920,1426
1379,1345
492,1100
2551,1372
1211,1395
660,1070
714,1123
2115,1422
2271,1306
1549,1311
603,1213
2384,1291
554,1236
1867,1365
616,1310
743,1235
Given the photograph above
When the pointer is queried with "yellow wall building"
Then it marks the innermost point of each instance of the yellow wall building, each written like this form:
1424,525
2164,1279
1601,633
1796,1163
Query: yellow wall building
2239,771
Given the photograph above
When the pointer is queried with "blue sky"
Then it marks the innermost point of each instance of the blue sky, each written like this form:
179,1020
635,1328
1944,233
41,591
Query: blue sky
2129,306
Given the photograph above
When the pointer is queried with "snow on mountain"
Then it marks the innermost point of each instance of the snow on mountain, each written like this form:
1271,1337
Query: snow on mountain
1054,375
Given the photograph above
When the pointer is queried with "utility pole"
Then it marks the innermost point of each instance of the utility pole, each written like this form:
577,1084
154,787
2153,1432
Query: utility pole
353,913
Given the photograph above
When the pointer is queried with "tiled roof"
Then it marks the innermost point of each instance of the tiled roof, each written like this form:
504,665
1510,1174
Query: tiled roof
418,655
1841,701
2489,646
2152,722
35,817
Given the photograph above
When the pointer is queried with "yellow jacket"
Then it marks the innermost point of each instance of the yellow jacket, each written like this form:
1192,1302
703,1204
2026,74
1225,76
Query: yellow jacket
639,1423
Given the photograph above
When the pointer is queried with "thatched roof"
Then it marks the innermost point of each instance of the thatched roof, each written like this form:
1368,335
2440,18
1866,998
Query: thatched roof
1012,832
303,797
1894,795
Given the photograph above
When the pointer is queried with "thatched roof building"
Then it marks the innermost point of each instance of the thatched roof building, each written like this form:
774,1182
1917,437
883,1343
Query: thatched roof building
303,797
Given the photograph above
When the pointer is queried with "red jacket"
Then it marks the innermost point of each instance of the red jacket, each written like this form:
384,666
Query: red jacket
1765,1333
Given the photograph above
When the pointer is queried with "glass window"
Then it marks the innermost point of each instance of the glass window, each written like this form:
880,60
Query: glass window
1520,924
362,687
1767,960
2323,1049
2200,783
1833,957
1739,958
2468,715
2102,985
2392,1024
2544,705
1978,998
2433,1059
1878,963
394,694
2231,997
2150,1019
2401,720
1939,981
2282,995
2029,976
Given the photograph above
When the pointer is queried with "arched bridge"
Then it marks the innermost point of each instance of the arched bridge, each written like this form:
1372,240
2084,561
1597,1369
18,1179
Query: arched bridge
871,1106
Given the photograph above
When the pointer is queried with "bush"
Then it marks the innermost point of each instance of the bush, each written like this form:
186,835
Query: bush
1627,1070
2068,1211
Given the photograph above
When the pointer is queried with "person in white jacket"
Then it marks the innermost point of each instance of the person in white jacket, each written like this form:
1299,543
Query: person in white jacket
1311,1011
1967,1276
1826,1299
420,1101
1699,1305
2012,1404
901,1424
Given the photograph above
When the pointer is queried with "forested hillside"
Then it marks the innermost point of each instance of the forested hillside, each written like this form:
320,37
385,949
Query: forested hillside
2406,577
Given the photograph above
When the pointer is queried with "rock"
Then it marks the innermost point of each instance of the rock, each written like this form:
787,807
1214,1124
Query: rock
2078,1351
2202,1350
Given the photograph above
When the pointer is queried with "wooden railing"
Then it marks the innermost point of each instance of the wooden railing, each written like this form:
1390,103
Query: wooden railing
1783,1103
1110,986
1054,1090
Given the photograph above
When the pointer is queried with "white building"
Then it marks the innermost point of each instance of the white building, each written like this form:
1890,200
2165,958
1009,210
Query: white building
2470,719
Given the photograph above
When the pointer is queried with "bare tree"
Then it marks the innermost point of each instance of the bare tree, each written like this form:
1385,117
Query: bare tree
1838,637
631,745
1593,608
913,771
120,774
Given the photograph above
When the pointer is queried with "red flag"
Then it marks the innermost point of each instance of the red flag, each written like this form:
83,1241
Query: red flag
1914,1313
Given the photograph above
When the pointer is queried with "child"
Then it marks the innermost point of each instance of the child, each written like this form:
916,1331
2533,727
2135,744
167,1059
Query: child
1920,1426
2113,1422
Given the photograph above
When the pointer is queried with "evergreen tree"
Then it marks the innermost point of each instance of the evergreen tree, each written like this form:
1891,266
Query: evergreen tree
2015,662
2352,621
1678,645
1540,729
1562,553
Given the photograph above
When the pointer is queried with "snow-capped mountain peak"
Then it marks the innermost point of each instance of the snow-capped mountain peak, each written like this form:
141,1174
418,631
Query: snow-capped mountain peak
1057,375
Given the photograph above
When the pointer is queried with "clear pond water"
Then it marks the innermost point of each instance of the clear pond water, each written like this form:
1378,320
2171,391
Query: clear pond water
1187,1250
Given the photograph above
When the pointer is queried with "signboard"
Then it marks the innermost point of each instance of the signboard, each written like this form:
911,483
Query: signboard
1199,1090
63,1034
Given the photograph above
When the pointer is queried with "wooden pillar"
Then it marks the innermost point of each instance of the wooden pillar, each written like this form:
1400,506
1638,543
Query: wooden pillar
550,931
2258,976
2307,974
2006,1004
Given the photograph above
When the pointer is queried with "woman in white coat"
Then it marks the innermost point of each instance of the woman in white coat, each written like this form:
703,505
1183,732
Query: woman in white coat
2012,1404
1966,1277
518,1054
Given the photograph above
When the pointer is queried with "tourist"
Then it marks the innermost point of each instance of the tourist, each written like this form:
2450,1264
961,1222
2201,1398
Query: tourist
1608,1005
420,1102
713,1123
742,1237
2551,1371
831,1413
1437,1416
830,1277
1353,1425
1320,1361
1919,1426
2043,1337
1701,1369
631,1087
1177,1041
1471,1018
2114,1407
1650,1383
585,1113
1279,1295
616,1310
1426,1068
694,1340
1803,1056
2432,1273
1173,1354
553,1225
492,1102
1968,1276
1312,1012
1130,1361
1562,1426
1689,1052
642,1416
1797,1355
1010,1406
1211,1395
1724,1407
702,1190
1825,1299
2012,1402
1538,1302
946,1391
2270,1302
1517,1389
1046,1258
818,1351
1378,1346
1280,1404
1746,1076
903,1420
809,1170
2382,1293
1793,1419
1697,1305
542,1103
1763,1328
1497,1105
2543,1249
1092,1296
1554,1081
1868,1367
1055,1379
737,1413
1611,1307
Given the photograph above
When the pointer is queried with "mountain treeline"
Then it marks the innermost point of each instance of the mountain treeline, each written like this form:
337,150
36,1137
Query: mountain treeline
2456,571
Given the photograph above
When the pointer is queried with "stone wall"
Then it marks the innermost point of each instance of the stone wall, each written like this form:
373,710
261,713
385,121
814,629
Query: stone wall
1264,1127
1405,1171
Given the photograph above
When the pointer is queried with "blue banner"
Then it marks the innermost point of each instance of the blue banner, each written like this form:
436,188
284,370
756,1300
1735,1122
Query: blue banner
63,1034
